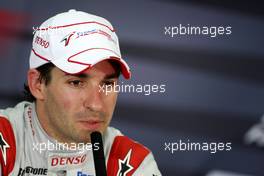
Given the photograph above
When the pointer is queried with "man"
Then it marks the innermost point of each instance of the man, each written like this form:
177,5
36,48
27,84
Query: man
75,56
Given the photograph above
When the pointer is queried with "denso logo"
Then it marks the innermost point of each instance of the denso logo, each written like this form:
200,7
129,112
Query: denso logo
40,41
61,161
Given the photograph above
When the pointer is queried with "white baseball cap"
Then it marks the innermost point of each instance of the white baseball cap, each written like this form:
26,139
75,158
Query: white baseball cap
75,41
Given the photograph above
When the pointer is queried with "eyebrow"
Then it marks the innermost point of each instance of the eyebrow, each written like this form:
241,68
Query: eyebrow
113,75
79,75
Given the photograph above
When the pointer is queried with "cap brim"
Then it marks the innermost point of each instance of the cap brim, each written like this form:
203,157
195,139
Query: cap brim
85,59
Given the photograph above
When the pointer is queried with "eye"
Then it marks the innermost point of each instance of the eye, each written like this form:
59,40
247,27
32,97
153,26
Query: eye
76,83
110,82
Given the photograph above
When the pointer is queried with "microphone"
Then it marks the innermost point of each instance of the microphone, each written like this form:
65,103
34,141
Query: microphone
98,154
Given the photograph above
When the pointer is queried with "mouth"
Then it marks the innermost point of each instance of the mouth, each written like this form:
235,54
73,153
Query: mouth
91,125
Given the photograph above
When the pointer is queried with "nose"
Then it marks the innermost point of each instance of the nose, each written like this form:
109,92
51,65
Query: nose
93,98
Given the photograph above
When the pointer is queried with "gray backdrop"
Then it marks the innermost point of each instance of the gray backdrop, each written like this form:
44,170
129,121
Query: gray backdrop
214,86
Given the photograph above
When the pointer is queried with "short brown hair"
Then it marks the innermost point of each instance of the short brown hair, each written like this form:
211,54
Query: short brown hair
45,75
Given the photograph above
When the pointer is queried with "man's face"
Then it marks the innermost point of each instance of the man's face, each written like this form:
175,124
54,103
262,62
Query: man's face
74,106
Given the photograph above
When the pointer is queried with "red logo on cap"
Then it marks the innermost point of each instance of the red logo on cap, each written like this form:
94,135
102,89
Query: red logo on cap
40,41
67,38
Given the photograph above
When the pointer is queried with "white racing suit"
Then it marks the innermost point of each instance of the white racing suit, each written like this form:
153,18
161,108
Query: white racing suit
26,149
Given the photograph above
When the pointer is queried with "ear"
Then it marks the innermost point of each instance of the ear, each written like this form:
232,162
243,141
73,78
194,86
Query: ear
36,86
